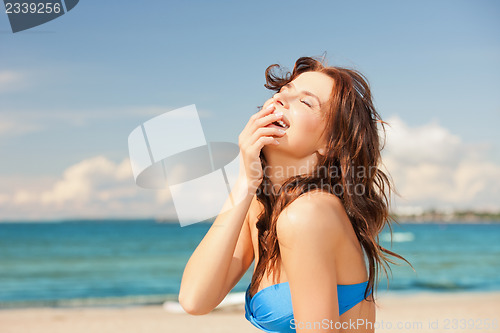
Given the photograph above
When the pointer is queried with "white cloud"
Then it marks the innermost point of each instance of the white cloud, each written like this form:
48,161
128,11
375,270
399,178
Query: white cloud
431,143
433,168
95,187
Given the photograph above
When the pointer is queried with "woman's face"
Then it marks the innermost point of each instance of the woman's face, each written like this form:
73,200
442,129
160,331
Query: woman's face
303,102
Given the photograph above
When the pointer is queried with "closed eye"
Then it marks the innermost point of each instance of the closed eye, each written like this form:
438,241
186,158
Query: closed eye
287,86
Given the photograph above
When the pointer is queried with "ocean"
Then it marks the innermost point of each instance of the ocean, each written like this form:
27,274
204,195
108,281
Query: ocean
115,263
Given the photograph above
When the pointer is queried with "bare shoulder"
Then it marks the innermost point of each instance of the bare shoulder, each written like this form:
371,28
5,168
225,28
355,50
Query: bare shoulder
316,216
309,233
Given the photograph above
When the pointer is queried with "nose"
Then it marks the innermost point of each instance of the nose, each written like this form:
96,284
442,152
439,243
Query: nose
281,99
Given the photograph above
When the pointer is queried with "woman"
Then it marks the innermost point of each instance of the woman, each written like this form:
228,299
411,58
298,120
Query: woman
309,204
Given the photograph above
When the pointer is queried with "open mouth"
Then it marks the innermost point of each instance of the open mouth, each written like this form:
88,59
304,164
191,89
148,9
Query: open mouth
281,123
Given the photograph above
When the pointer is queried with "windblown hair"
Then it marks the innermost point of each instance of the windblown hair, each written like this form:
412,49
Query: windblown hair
353,144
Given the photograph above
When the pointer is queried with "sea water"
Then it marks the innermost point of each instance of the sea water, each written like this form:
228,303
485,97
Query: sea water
141,261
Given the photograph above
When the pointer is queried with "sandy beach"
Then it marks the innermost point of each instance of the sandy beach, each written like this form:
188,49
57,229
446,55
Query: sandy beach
423,312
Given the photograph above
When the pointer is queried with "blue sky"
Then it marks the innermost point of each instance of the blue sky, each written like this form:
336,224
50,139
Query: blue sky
72,90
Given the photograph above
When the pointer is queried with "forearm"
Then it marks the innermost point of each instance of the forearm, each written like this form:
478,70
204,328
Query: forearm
206,271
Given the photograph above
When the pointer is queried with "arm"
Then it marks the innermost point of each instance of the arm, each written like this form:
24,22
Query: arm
244,253
225,252
220,259
308,234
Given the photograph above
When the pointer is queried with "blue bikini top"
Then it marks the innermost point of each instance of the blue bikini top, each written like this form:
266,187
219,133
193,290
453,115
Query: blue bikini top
270,309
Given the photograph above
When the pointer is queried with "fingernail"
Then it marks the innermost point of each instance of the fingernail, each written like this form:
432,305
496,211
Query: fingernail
281,131
269,107
278,113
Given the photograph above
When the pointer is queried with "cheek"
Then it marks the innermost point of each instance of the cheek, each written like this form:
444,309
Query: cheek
309,126
305,133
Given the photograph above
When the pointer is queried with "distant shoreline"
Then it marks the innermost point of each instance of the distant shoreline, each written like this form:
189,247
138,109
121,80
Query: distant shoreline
424,218
418,221
437,217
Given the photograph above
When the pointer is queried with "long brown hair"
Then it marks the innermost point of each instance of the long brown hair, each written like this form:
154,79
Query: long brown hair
353,144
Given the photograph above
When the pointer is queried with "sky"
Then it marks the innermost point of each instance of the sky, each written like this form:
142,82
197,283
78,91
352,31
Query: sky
73,89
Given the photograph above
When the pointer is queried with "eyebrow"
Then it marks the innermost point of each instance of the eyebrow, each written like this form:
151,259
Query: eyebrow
305,92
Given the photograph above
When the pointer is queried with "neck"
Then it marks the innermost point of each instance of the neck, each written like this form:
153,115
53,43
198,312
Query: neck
282,166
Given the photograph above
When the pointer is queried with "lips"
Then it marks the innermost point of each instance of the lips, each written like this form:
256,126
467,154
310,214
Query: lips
283,123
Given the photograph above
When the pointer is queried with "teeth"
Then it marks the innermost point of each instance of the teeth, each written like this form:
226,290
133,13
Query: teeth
282,123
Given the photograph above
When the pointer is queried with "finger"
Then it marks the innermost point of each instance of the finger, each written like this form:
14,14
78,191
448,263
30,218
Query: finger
266,140
246,141
263,112
267,131
264,121
249,127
